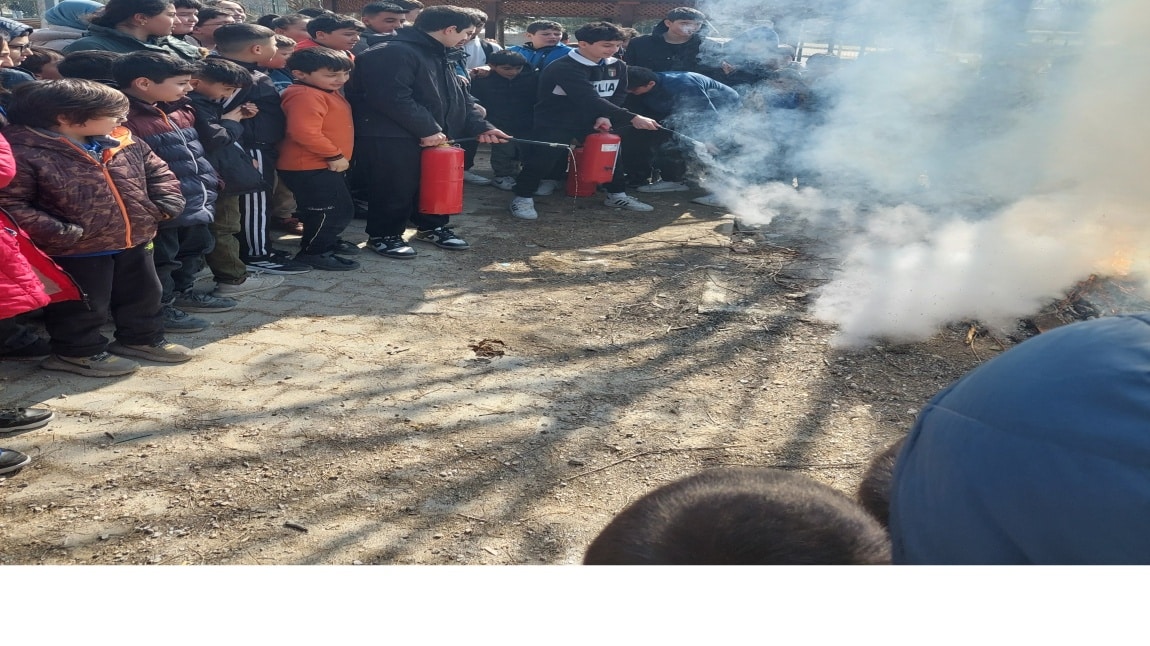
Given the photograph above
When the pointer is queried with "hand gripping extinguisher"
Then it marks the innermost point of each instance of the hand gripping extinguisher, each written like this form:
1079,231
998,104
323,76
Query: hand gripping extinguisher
441,180
600,151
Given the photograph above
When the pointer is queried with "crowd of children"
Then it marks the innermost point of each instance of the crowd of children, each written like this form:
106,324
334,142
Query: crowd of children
154,139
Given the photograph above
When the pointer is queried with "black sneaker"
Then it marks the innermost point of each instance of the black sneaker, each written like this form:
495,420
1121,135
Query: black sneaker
442,237
345,248
24,419
392,247
328,261
272,265
12,461
38,349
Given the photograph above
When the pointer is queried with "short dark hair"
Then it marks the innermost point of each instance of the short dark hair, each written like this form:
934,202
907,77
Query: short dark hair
381,7
319,58
480,15
685,13
188,4
311,12
267,19
210,13
154,66
234,37
283,22
283,42
220,70
443,16
91,64
44,104
639,76
409,5
40,57
540,25
329,22
118,11
504,57
742,516
594,32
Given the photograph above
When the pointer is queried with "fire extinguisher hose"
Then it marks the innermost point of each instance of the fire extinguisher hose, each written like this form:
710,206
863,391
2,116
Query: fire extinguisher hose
549,144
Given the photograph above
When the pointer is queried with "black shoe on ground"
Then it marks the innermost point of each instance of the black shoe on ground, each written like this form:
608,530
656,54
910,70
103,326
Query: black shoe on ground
345,248
24,419
392,247
12,461
270,264
442,237
35,351
328,261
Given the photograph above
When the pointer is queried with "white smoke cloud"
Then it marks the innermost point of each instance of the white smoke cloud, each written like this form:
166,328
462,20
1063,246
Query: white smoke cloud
967,175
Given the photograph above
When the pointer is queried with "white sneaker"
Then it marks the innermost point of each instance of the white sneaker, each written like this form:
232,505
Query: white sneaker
624,201
254,283
473,178
664,187
524,208
709,199
503,183
547,187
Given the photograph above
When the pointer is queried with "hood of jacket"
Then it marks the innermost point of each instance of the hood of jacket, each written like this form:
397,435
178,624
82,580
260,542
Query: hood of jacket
1039,456
14,29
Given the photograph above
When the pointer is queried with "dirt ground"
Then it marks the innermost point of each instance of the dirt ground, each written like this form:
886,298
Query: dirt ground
493,406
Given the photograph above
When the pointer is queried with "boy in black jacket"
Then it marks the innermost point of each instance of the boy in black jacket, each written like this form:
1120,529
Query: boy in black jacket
579,93
251,46
508,94
221,133
405,96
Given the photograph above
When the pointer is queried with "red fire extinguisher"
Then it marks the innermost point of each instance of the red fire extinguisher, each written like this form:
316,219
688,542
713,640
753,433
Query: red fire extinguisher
600,150
441,180
576,187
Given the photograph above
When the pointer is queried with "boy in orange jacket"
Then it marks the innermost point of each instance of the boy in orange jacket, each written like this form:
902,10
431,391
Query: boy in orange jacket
316,152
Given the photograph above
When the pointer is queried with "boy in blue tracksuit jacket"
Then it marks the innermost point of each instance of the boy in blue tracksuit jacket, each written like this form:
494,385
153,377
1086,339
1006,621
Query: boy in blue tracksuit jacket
543,46
686,102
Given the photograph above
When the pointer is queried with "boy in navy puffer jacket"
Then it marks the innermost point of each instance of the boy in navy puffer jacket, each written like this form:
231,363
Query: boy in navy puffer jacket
156,85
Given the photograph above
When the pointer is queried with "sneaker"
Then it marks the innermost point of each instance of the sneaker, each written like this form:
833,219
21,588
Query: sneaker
474,178
392,247
664,187
709,199
504,183
270,264
97,365
547,187
624,201
177,320
24,419
524,208
252,284
345,248
190,301
328,261
12,461
35,351
163,351
442,237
